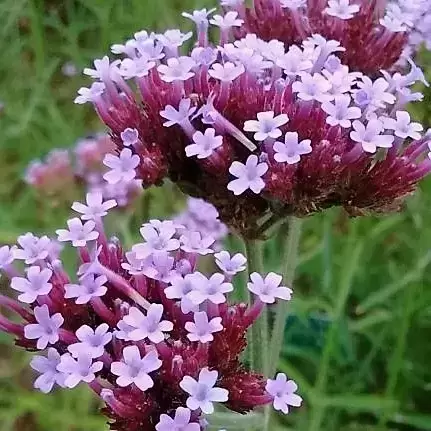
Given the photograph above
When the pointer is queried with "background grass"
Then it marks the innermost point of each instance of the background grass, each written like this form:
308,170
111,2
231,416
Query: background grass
358,338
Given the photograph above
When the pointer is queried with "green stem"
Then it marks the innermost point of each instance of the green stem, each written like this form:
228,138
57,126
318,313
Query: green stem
37,33
353,250
396,361
259,331
235,421
292,231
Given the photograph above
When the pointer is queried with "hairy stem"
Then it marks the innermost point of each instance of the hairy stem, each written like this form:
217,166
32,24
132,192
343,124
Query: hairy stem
292,231
259,331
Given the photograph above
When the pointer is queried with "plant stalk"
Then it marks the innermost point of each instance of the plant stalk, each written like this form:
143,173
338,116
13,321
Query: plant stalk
259,331
292,231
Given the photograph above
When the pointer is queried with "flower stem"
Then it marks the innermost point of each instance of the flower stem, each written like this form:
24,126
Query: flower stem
259,331
292,230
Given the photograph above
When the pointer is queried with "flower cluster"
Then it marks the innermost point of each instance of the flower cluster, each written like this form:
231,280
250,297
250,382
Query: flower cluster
376,34
153,336
64,171
202,217
256,128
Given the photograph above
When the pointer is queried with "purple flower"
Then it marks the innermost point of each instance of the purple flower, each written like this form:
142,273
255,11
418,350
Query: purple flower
47,367
195,242
342,9
134,369
122,331
283,392
268,289
370,137
340,113
204,56
45,331
136,67
92,341
226,72
312,87
294,62
249,176
227,21
79,234
395,24
35,284
231,265
403,126
89,287
164,266
135,266
291,150
375,92
122,166
266,126
201,216
212,289
130,137
81,369
157,240
151,343
199,17
204,144
184,112
181,421
149,326
95,207
104,69
32,248
180,287
7,256
177,69
91,94
293,4
202,328
203,392
174,38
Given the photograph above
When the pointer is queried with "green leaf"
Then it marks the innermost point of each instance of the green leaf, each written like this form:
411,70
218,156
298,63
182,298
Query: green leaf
381,295
421,422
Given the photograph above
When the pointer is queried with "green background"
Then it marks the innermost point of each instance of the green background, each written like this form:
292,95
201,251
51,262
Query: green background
358,337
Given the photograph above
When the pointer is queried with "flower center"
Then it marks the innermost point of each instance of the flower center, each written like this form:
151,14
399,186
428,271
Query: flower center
201,393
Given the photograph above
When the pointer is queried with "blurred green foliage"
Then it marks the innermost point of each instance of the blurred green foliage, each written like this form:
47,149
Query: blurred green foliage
358,336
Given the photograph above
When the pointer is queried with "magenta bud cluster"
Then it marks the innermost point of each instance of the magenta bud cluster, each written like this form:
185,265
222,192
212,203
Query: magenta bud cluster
64,171
377,34
154,337
265,128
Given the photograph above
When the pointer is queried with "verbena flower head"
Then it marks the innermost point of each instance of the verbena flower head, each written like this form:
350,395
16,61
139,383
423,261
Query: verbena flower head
263,130
154,337
203,217
375,34
63,171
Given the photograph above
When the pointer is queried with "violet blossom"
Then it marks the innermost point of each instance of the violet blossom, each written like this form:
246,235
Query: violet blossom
375,36
134,336
215,119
